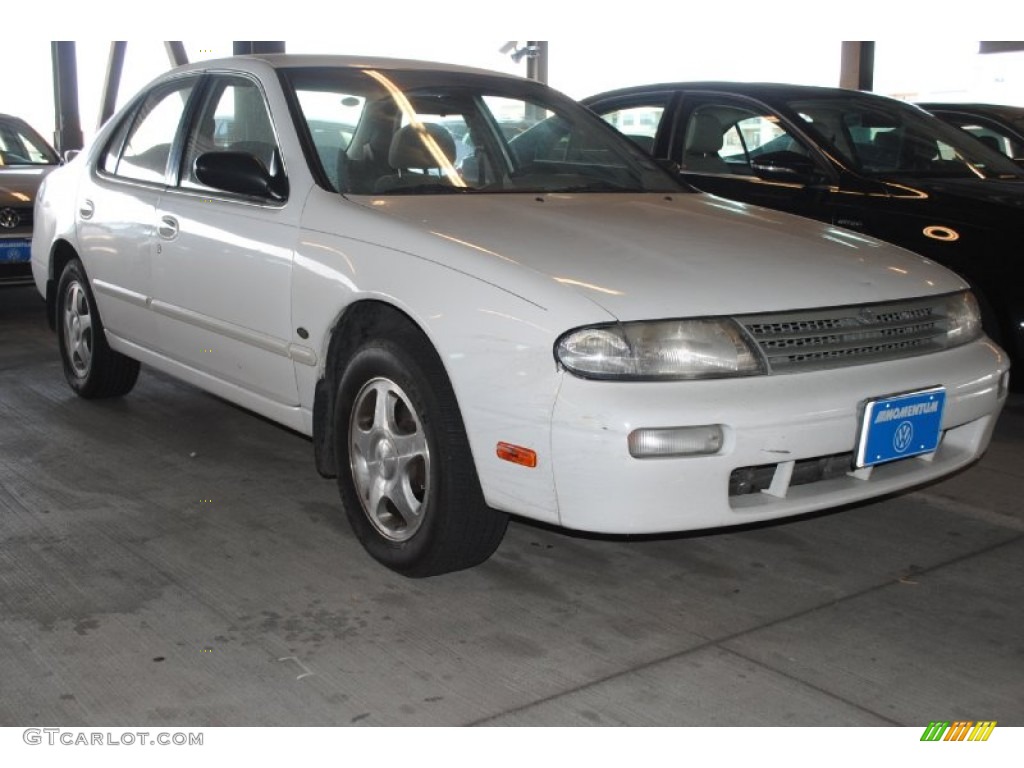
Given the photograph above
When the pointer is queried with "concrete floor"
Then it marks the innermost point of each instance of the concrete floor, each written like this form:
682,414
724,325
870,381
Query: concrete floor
169,559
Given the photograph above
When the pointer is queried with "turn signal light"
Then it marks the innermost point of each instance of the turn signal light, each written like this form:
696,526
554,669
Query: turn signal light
517,454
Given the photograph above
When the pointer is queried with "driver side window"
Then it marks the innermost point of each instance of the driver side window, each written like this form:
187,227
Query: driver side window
232,118
726,139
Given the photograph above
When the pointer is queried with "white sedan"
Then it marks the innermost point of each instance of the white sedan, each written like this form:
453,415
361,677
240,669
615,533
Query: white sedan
539,322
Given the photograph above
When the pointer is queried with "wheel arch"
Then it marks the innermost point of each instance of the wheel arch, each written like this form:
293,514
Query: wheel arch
354,325
60,254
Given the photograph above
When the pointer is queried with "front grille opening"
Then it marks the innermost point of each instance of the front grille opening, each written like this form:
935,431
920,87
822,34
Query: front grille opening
841,336
746,480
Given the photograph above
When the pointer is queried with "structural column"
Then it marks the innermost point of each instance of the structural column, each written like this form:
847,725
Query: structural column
68,133
537,60
857,70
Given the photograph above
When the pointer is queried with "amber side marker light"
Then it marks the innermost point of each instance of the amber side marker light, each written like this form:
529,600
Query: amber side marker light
517,454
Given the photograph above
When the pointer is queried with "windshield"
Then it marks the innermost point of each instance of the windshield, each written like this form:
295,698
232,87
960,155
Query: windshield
20,145
402,132
879,137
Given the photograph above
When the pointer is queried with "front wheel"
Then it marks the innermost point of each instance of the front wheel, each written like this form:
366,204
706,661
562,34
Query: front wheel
406,474
91,367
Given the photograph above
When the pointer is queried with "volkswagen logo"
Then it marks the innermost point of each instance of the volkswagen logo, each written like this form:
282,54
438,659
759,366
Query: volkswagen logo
903,437
9,218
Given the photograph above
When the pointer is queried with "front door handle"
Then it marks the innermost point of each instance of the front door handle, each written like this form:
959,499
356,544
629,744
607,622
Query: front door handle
168,227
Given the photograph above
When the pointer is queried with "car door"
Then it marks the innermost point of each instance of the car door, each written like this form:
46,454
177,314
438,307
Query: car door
223,261
739,149
116,210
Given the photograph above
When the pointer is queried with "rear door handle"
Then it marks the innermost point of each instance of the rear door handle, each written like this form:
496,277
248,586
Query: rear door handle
168,227
86,209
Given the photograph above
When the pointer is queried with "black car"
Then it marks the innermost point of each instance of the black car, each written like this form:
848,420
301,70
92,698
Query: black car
857,160
25,158
1000,127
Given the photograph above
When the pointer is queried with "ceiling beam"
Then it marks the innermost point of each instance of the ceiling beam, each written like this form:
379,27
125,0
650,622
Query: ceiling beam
243,47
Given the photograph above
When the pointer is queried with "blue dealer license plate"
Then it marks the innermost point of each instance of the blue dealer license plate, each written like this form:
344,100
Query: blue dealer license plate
901,426
15,251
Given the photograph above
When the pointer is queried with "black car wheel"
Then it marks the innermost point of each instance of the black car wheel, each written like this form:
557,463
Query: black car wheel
91,367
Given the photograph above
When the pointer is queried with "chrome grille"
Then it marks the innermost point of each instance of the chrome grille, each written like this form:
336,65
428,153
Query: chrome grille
20,213
843,336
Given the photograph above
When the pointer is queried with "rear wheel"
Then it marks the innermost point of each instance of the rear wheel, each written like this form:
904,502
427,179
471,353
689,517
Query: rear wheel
91,367
406,474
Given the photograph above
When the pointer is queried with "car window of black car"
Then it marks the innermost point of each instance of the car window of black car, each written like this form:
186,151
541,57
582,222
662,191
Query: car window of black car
988,133
638,122
886,137
723,138
145,152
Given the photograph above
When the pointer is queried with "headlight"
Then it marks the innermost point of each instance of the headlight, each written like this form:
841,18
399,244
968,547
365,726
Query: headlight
661,350
963,319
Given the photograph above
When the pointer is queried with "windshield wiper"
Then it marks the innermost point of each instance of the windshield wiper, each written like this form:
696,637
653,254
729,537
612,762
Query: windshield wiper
597,185
427,189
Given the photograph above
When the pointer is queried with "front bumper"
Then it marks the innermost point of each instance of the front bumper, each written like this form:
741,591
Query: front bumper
768,420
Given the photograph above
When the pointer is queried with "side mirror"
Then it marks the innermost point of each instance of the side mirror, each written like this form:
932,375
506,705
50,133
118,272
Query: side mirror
785,166
69,155
237,172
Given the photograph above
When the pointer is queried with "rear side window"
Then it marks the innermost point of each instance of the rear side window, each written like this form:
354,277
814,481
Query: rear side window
637,123
144,154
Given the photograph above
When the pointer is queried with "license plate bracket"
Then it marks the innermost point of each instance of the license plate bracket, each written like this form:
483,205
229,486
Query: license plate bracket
899,426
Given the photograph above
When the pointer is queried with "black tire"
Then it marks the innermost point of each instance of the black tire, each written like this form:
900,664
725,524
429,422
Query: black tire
91,367
405,470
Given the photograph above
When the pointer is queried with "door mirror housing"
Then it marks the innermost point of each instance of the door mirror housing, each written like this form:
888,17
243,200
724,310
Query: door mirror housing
785,166
238,172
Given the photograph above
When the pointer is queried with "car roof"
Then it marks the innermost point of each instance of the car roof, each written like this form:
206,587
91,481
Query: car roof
984,109
11,118
257,62
756,90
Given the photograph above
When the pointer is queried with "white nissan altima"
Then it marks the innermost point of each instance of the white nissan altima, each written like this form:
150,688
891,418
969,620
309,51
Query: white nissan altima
471,321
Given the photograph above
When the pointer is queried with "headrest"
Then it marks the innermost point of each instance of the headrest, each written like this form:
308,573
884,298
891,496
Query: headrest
705,135
417,146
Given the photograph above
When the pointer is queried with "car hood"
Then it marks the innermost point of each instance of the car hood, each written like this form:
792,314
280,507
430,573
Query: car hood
19,182
655,255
